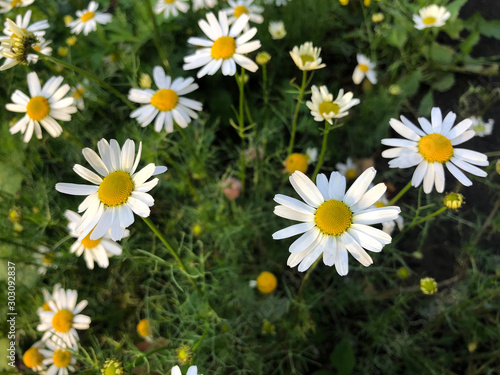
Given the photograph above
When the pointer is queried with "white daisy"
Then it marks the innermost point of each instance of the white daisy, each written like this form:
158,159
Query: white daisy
10,4
364,68
323,107
44,259
60,360
47,296
41,46
171,7
224,49
480,127
166,104
306,57
88,19
277,29
33,358
46,105
113,199
77,93
38,28
93,250
60,324
240,7
431,16
349,169
203,4
431,147
334,221
192,370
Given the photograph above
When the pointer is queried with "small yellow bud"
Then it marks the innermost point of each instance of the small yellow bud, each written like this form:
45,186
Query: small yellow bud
197,230
367,3
143,328
263,58
453,201
378,17
112,367
71,41
145,81
344,2
394,90
62,51
68,19
14,215
403,273
428,285
295,162
266,282
472,347
184,354
268,328
497,166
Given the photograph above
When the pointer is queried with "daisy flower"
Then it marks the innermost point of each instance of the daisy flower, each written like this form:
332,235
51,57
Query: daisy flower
88,19
364,68
47,296
41,46
277,30
431,16
114,198
166,104
171,7
60,360
46,105
431,146
203,4
334,222
93,250
193,370
77,93
6,6
306,57
240,7
349,170
44,259
63,319
33,359
225,48
323,107
480,127
23,22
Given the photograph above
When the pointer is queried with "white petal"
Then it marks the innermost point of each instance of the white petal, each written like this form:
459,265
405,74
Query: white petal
288,213
356,250
294,204
306,189
304,241
358,188
293,230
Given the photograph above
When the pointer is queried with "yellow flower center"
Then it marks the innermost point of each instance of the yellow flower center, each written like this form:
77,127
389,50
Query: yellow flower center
61,358
78,93
38,107
333,217
350,174
48,258
32,358
223,48
266,282
87,16
239,10
169,1
88,243
306,58
429,20
46,307
37,48
327,107
115,188
15,3
435,147
143,328
296,162
364,67
62,321
165,100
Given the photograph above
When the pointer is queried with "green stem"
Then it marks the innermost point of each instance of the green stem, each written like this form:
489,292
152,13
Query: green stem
306,277
241,127
400,194
430,216
156,37
170,248
323,150
86,74
296,112
205,331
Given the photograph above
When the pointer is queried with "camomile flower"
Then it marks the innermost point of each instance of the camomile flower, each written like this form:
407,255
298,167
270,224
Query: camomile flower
203,4
192,370
77,94
88,19
97,251
431,16
431,146
47,296
59,359
240,7
334,222
349,170
323,107
306,57
166,105
63,319
225,48
33,358
44,259
480,127
41,46
114,198
46,105
6,6
23,22
365,68
277,29
171,7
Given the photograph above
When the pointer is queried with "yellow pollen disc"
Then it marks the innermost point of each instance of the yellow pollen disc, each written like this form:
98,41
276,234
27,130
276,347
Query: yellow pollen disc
48,258
364,67
295,162
62,321
169,1
327,107
88,243
38,107
165,100
223,48
46,307
350,174
32,358
306,58
143,328
266,282
15,3
61,358
333,217
87,16
78,93
239,10
435,147
115,188
429,20
37,48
